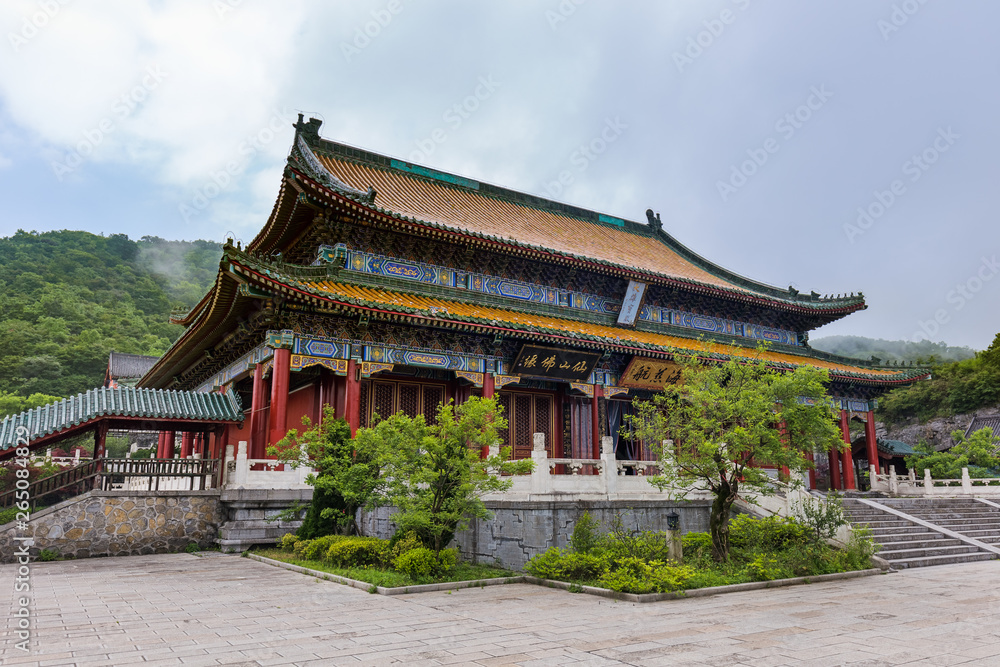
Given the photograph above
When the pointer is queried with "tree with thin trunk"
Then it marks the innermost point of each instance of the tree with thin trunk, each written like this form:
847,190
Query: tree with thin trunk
722,422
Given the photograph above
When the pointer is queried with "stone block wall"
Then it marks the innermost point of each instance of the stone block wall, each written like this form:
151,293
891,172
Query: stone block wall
520,530
121,523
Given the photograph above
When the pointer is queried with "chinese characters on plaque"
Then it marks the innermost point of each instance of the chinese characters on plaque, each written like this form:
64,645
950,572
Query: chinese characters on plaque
650,373
632,303
550,362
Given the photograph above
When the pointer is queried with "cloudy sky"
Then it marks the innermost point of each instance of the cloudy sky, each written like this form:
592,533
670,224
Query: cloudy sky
833,146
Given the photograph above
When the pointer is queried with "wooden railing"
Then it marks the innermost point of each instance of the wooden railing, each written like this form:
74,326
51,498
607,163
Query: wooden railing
127,475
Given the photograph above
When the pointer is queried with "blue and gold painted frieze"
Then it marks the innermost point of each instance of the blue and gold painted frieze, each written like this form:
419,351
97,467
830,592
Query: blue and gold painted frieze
371,263
423,358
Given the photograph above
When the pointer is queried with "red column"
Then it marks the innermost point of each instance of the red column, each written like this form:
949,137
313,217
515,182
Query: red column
327,393
871,442
595,422
187,442
168,449
352,409
834,470
845,456
160,444
279,394
783,434
257,429
812,470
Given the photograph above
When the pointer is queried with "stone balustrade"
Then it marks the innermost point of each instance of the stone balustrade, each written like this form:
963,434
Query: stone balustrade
242,472
911,485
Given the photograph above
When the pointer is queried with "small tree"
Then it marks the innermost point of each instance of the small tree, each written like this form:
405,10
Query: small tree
433,472
978,453
347,476
726,421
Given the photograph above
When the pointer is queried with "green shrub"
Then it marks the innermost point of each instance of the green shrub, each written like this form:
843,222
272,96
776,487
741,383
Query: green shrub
586,535
423,563
765,568
634,575
563,565
646,545
48,554
771,534
696,545
317,548
358,552
860,549
298,549
192,548
288,541
402,543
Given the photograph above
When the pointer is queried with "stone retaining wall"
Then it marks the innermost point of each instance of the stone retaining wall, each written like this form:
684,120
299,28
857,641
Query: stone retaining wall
520,530
120,523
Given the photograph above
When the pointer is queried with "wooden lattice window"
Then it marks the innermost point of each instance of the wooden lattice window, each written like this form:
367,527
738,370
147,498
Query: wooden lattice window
363,402
387,397
528,414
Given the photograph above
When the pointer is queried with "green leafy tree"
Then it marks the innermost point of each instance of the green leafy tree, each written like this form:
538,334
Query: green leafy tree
978,453
725,421
433,473
347,473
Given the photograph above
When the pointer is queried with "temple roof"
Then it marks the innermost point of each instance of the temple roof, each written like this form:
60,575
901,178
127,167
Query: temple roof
325,287
125,367
143,405
438,201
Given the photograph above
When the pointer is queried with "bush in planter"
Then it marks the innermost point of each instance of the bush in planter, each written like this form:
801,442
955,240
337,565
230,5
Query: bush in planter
561,565
634,575
317,549
288,541
358,552
423,563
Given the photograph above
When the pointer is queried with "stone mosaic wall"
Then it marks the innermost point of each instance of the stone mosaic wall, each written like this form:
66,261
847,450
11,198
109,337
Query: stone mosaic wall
121,523
520,530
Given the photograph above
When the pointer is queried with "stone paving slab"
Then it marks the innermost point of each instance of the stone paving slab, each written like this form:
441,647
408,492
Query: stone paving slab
183,609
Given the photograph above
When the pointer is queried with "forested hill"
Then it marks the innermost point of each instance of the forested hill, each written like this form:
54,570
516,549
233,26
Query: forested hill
68,298
923,352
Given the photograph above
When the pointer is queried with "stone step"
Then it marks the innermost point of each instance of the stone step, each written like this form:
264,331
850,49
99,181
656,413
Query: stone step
898,530
940,560
977,534
958,521
887,523
922,544
908,537
897,554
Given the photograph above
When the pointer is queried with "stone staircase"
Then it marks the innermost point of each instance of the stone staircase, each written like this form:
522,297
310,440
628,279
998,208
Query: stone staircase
908,544
247,514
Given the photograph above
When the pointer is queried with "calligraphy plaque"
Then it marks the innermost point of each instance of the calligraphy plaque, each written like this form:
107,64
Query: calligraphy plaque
557,363
645,373
632,303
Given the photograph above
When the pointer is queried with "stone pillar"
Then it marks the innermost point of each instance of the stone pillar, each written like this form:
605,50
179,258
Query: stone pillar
966,482
845,455
928,482
280,376
352,412
257,428
610,466
870,440
242,465
540,481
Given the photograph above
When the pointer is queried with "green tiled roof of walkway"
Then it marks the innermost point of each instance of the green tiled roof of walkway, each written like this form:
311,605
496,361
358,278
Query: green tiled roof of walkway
129,403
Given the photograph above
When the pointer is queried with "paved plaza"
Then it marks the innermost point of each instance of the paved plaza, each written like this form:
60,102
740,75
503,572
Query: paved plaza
212,609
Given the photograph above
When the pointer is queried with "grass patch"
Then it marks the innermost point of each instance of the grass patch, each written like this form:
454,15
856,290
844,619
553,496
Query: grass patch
385,577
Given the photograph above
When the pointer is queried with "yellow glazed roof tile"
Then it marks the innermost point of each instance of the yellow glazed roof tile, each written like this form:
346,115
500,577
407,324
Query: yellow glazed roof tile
463,209
500,316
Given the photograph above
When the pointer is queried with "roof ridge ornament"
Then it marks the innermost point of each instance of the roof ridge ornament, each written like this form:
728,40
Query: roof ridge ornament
655,223
327,178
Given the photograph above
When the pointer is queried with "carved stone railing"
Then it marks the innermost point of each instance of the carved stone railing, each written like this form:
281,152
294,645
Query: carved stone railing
605,478
242,472
910,485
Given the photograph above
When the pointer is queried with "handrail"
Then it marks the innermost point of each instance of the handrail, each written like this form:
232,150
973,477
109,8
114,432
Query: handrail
105,469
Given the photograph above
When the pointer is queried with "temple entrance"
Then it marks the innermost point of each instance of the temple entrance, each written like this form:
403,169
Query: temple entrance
526,415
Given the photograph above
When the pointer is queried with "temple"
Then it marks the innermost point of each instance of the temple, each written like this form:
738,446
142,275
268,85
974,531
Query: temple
378,285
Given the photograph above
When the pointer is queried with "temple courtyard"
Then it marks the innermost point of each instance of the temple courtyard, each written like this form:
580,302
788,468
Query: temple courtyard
212,609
